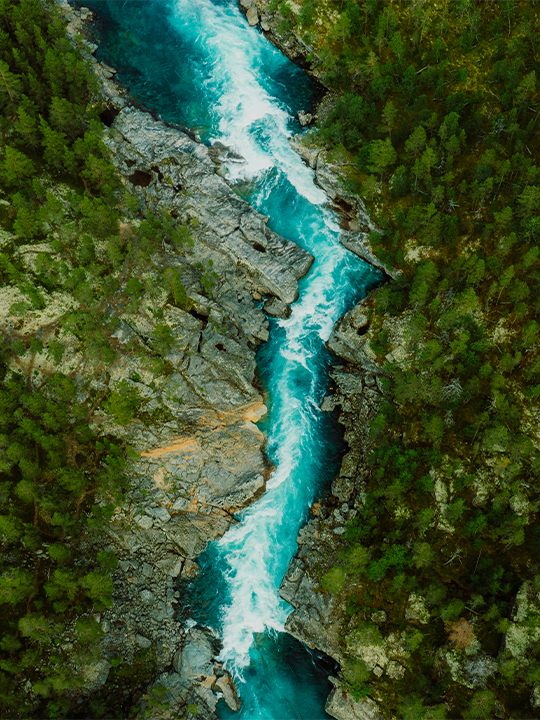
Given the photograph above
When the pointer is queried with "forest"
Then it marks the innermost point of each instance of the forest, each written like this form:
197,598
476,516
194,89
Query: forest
73,240
436,127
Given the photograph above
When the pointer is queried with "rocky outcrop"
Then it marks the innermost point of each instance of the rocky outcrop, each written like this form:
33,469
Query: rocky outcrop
343,706
356,225
195,684
329,172
274,24
168,169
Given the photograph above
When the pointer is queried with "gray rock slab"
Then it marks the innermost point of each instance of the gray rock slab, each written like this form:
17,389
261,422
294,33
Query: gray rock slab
277,308
195,660
226,686
144,522
160,514
143,642
252,16
358,243
342,706
267,271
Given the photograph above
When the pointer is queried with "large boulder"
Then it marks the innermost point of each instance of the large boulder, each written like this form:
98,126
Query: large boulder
252,16
342,706
196,659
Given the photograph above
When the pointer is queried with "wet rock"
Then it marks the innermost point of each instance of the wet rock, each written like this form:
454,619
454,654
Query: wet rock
305,118
276,308
195,660
307,152
265,24
329,403
226,686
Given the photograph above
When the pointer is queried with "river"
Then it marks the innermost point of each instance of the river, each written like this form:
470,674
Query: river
198,63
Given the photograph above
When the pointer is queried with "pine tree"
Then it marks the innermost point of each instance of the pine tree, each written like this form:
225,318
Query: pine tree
10,87
16,169
54,144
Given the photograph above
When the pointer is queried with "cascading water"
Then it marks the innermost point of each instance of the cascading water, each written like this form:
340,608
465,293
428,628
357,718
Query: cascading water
199,63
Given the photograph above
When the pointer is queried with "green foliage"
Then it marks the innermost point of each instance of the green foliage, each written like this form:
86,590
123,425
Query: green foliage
438,105
334,580
123,403
53,468
481,705
88,631
173,282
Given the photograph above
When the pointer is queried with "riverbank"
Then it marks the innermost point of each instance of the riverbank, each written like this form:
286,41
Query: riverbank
181,392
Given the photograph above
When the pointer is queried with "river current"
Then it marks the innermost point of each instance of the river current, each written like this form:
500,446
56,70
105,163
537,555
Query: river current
197,62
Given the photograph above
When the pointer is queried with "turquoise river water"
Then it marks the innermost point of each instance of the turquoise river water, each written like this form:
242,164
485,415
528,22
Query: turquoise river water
196,62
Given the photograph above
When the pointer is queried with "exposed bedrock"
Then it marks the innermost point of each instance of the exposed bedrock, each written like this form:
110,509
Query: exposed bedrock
198,453
169,169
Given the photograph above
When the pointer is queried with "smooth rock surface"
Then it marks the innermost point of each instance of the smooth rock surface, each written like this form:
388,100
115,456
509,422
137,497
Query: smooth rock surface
276,308
225,685
342,706
252,16
195,660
